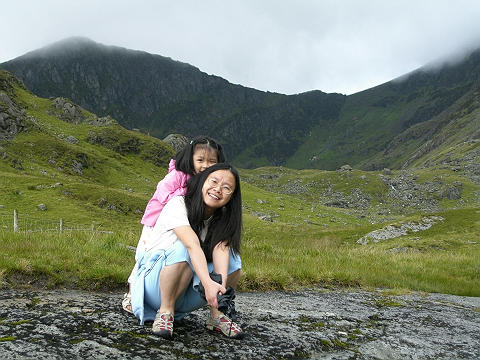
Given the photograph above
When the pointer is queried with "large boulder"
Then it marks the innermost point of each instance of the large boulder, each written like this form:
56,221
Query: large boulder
176,141
67,111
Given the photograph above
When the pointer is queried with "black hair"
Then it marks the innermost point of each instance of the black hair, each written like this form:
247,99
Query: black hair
226,222
184,158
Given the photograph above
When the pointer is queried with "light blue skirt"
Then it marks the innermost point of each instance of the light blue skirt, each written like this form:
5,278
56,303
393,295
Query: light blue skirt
149,266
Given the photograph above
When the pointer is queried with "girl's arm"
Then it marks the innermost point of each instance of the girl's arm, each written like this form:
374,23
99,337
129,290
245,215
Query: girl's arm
221,258
171,185
188,238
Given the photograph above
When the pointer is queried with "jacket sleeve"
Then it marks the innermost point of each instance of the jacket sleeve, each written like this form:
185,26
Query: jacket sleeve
173,184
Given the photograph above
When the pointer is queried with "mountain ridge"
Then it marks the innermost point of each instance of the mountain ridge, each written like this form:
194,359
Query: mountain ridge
314,129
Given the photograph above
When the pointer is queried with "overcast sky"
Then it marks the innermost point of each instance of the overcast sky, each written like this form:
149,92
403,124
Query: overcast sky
286,46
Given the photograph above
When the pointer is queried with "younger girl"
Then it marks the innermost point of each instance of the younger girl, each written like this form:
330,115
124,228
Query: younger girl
201,153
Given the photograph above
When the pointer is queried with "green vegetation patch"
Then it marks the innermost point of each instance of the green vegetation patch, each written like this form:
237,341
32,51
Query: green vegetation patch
8,338
20,322
387,302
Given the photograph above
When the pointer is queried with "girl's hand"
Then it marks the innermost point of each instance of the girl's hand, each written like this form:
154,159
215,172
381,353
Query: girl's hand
211,291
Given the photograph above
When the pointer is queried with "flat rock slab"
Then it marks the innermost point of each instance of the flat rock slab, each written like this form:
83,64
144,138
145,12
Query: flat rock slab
312,324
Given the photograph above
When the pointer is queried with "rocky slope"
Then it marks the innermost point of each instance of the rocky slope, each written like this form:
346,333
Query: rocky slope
12,117
314,324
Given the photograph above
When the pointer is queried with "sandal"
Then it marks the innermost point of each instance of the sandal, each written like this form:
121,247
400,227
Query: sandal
226,326
127,303
163,324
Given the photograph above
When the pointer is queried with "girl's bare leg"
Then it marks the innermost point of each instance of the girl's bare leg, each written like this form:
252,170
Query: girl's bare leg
174,279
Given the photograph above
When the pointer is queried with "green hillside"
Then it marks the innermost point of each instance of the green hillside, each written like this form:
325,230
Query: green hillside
67,158
78,165
301,228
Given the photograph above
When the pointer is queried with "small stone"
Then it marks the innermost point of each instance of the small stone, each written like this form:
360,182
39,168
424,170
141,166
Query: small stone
71,139
266,218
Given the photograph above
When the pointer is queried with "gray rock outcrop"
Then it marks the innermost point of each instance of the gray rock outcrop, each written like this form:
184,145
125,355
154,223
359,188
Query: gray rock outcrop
312,324
393,231
67,111
176,141
12,118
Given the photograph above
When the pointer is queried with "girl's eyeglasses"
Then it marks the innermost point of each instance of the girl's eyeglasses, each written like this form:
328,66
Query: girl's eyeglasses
225,188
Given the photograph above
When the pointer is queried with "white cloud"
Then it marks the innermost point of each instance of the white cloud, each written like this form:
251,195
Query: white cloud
284,46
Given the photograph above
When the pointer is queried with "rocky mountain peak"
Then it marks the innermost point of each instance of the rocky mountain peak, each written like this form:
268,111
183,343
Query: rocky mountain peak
160,96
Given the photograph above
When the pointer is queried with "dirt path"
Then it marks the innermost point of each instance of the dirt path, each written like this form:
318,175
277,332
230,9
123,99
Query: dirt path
65,324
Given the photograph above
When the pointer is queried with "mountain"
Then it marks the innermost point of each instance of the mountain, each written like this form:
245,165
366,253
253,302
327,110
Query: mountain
384,126
397,124
159,96
79,184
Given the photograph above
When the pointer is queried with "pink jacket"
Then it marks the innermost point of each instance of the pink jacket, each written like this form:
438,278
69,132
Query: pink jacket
173,184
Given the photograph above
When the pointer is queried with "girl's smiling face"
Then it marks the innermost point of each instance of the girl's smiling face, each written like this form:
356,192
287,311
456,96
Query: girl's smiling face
217,190
203,157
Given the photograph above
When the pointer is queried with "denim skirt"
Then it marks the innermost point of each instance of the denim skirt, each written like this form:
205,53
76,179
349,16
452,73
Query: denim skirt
190,300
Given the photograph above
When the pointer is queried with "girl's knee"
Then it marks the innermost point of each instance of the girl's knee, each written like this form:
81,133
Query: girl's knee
179,268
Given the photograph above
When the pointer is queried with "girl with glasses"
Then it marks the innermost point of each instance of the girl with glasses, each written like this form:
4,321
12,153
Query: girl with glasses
196,234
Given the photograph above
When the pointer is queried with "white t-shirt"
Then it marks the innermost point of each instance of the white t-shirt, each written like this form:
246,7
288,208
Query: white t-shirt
173,215
161,236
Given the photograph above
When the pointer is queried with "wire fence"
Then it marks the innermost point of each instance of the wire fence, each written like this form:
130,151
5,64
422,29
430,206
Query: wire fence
26,223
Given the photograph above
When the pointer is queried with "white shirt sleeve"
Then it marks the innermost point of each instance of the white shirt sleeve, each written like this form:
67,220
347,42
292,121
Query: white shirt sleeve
173,215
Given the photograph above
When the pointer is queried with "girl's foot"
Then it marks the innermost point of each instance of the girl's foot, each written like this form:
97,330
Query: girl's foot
127,303
226,326
163,325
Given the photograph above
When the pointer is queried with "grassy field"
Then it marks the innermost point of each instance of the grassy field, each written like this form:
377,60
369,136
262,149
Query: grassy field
300,226
445,258
291,240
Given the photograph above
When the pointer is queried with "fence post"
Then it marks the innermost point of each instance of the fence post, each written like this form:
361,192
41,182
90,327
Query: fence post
61,225
15,220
